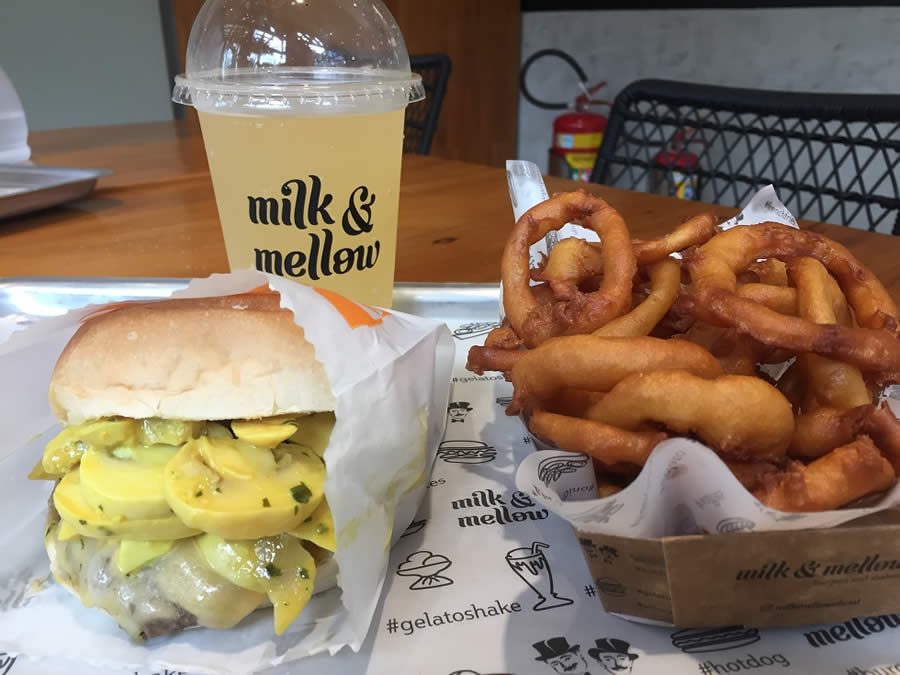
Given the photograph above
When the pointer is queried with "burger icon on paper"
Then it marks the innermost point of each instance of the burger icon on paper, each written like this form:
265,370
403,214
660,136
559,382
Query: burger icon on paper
466,452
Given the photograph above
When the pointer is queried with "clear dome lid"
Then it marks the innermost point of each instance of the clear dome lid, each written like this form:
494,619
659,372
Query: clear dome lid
296,56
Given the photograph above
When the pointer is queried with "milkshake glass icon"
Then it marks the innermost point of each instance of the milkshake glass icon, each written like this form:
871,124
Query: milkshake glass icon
531,566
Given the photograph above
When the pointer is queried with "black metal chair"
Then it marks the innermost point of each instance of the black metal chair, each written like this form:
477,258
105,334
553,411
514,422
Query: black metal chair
831,157
422,117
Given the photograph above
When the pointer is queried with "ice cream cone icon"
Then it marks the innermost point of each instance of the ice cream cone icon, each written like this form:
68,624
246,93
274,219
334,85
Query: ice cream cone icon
427,567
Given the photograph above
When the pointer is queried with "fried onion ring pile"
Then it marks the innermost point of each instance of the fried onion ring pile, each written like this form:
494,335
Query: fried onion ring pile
616,345
576,311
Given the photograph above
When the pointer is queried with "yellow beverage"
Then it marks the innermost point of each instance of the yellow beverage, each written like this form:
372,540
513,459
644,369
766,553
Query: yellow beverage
312,199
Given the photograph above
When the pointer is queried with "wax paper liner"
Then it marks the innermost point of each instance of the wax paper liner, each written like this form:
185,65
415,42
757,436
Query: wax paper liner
391,380
684,488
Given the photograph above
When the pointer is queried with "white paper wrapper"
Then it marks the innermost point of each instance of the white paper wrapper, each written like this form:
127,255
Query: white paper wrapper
672,494
391,382
684,488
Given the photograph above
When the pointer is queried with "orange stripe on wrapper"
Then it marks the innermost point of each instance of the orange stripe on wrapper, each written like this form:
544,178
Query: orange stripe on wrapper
355,314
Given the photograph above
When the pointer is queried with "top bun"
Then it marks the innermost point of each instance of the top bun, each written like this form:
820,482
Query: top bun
240,356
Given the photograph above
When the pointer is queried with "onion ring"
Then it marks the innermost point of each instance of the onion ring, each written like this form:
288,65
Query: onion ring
571,261
503,337
607,485
572,402
703,334
598,363
844,474
770,271
680,317
665,284
819,432
834,383
584,312
782,299
713,284
685,403
754,475
884,428
482,359
693,232
604,443
737,353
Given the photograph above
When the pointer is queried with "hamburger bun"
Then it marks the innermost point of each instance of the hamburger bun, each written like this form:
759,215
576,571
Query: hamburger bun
192,359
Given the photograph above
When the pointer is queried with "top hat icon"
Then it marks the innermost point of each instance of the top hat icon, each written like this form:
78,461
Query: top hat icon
611,646
553,648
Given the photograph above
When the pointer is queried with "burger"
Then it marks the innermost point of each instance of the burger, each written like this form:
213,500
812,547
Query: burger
466,452
189,476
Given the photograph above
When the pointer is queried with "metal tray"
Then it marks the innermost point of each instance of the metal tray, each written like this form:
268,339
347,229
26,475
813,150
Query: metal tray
25,188
30,298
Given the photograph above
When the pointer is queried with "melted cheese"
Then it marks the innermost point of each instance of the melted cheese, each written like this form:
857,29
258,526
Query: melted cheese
176,591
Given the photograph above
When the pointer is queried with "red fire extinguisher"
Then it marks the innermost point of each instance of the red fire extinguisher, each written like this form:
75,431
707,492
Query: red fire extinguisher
576,135
674,171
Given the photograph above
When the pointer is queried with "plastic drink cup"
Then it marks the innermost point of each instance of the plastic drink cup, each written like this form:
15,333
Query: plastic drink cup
301,104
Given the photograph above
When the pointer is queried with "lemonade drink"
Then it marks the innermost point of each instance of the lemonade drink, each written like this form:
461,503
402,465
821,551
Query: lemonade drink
310,198
302,106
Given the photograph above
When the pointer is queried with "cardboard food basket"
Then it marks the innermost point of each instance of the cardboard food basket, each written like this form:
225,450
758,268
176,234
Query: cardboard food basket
686,544
760,579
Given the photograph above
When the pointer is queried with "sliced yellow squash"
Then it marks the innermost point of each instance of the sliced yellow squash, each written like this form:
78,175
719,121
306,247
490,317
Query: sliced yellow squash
155,430
131,487
65,451
133,554
40,473
268,432
278,566
90,522
239,491
65,533
232,458
314,431
318,528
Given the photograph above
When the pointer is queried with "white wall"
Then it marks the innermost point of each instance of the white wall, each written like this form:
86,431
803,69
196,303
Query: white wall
818,49
85,62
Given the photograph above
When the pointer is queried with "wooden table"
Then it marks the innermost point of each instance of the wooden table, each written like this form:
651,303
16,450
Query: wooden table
156,216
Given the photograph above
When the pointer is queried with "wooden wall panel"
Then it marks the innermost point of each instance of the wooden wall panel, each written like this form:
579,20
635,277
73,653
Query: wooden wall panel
479,117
